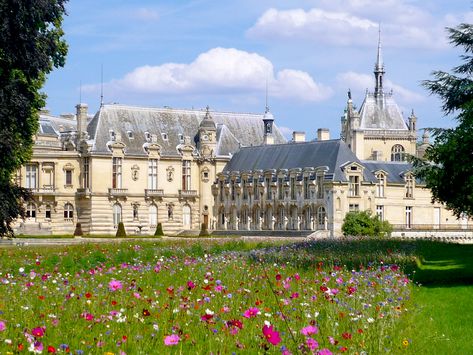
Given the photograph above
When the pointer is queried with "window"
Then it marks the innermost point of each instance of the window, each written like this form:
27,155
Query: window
397,153
86,173
269,195
221,190
353,185
48,175
129,134
353,207
68,177
321,214
181,138
135,212
408,217
409,186
293,188
232,189
306,188
320,186
153,216
117,173
47,212
255,188
186,174
68,211
164,136
147,136
31,176
153,174
245,189
117,214
112,135
280,188
30,210
380,212
380,185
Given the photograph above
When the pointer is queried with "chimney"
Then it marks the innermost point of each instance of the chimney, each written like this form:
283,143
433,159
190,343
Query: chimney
81,115
298,137
323,134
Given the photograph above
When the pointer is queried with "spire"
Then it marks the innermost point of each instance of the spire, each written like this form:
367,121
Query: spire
379,68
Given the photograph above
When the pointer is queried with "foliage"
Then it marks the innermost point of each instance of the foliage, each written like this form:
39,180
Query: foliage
78,231
31,45
447,167
159,230
121,230
362,223
204,231
12,201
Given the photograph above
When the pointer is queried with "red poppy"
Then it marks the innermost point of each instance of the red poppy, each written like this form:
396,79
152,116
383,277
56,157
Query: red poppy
51,349
88,295
346,336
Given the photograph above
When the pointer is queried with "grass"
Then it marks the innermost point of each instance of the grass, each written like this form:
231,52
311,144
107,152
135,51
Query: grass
431,318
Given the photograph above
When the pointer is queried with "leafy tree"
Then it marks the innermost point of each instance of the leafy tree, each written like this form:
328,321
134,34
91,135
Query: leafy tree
362,223
447,167
31,45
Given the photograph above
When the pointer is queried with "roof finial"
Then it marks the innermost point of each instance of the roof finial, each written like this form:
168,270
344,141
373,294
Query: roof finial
379,68
349,94
266,105
101,86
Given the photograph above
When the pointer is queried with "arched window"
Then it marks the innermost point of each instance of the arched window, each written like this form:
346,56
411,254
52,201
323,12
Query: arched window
30,210
68,211
397,153
117,214
321,217
153,216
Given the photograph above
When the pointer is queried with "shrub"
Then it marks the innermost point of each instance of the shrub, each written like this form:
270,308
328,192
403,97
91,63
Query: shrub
121,230
159,230
78,231
203,231
362,223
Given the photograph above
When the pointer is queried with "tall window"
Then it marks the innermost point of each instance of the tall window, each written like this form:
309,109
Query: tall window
221,190
306,188
30,210
117,214
68,211
153,216
135,212
255,188
31,181
68,177
409,186
321,214
245,190
269,195
47,212
153,174
408,217
320,186
380,185
232,189
117,173
86,173
293,188
353,185
397,153
48,175
380,212
186,174
280,188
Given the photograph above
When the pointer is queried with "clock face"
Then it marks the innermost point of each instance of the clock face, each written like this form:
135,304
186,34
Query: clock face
205,137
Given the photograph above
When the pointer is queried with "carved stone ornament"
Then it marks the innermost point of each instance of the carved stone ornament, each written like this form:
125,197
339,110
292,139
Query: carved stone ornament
135,172
170,173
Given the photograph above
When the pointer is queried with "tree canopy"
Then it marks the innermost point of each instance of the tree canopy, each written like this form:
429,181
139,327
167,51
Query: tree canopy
447,167
31,45
362,223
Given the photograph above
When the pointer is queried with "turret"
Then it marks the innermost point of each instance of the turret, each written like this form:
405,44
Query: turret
207,134
412,122
268,120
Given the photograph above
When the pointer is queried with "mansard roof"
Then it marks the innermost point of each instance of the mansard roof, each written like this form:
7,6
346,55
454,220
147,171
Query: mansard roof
53,125
233,129
381,112
333,154
395,171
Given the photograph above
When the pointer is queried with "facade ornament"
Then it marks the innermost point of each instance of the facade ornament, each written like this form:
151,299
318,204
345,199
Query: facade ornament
170,173
135,170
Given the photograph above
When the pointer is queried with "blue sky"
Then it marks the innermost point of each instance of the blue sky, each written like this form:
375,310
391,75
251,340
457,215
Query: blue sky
190,54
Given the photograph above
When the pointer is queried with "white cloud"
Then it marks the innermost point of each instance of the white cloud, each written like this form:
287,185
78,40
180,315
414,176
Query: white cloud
354,23
220,71
359,82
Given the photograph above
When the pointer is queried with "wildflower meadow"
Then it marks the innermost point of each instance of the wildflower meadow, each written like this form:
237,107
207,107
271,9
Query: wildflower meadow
235,297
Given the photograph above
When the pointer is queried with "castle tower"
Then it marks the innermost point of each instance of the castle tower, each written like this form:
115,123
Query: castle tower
268,120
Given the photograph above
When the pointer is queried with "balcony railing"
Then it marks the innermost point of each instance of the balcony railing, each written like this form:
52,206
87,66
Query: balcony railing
430,227
187,193
117,192
45,190
154,193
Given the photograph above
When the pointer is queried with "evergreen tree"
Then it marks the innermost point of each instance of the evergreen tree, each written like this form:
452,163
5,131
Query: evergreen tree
447,167
31,45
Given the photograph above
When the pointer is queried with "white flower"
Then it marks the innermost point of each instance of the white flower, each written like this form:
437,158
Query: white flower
21,269
267,323
155,327
370,320
8,341
209,312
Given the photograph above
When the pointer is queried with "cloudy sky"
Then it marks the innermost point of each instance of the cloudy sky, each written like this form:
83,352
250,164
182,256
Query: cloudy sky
190,54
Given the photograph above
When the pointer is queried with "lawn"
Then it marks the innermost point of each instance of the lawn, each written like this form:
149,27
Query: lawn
322,297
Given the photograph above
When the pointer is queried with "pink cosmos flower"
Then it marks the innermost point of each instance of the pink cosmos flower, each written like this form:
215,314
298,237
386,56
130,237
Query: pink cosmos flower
3,326
38,331
190,285
311,344
115,285
324,352
172,339
271,335
251,312
309,330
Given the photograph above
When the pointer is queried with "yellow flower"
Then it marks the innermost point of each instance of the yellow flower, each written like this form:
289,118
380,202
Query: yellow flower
405,342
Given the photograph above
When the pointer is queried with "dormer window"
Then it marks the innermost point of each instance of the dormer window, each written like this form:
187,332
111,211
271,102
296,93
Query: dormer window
380,185
353,186
409,186
129,134
147,136
181,138
112,135
164,136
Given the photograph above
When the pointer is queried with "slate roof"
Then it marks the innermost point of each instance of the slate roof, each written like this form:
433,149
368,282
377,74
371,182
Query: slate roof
331,153
395,170
233,129
381,112
52,125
